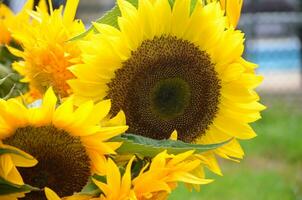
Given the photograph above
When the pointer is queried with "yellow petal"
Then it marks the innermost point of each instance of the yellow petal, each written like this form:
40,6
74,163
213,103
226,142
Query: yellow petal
234,128
6,165
173,135
51,195
189,178
233,10
70,10
113,176
119,119
232,72
126,180
180,157
63,114
180,17
147,17
48,106
43,6
162,9
100,111
22,159
15,51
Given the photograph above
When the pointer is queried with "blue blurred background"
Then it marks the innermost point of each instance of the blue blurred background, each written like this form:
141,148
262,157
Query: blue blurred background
272,168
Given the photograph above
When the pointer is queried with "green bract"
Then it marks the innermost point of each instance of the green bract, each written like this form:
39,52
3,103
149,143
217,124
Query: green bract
136,144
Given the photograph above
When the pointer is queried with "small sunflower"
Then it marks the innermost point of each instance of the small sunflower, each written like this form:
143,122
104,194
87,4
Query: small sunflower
160,176
163,174
47,53
173,69
69,144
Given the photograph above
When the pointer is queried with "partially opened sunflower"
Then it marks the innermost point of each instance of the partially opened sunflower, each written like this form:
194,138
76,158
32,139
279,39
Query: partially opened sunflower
46,52
173,67
69,144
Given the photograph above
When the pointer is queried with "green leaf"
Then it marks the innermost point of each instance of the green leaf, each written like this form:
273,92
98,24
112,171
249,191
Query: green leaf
7,187
193,4
10,93
92,189
111,17
136,144
99,178
10,85
6,57
2,80
138,165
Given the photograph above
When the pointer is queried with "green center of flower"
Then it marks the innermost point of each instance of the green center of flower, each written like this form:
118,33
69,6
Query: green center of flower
170,97
63,164
167,84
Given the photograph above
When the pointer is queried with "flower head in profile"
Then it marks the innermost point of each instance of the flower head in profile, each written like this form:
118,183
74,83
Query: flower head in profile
176,67
154,181
47,52
69,144
164,173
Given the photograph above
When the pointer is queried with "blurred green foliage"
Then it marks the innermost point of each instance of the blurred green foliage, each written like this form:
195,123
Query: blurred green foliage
10,85
272,167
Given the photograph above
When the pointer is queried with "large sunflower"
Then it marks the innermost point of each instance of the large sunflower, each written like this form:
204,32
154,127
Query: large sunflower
173,69
69,144
47,53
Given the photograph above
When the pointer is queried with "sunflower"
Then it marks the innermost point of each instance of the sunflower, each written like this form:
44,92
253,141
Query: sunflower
178,68
161,175
164,172
47,53
69,144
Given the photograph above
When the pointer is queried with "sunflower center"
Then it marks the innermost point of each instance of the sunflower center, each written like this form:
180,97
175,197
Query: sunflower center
167,84
170,97
63,166
55,76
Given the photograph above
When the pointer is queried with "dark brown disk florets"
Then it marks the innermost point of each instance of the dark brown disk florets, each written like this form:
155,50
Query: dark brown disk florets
167,84
63,164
